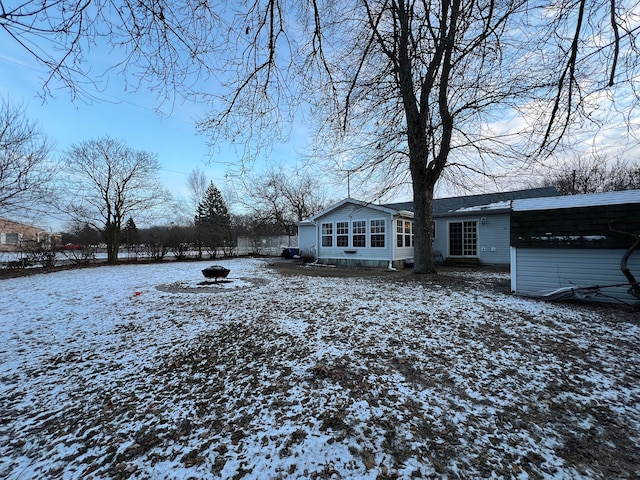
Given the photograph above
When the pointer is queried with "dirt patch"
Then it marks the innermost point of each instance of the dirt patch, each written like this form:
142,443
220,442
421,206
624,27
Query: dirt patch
220,286
454,277
485,278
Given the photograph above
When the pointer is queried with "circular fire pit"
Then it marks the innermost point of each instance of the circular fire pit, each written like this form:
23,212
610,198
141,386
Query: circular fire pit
216,272
232,285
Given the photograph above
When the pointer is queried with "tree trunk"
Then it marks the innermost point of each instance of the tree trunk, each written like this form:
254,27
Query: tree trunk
423,219
112,238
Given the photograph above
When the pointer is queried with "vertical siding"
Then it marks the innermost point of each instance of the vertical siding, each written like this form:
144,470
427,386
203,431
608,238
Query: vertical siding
540,271
307,240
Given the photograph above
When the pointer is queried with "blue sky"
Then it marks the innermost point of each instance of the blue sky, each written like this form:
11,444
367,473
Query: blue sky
127,116
130,116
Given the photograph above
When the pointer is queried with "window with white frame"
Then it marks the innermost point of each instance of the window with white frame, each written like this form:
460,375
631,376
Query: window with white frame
359,233
404,233
342,234
407,233
10,238
327,234
377,233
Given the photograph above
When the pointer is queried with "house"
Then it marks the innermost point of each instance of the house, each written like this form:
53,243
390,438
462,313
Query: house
356,233
577,247
14,236
472,228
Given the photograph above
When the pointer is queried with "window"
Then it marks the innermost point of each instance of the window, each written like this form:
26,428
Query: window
404,233
463,238
377,233
342,234
327,234
407,233
11,238
359,232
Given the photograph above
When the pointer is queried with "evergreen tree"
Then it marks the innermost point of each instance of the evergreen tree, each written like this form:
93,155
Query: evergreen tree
130,233
212,218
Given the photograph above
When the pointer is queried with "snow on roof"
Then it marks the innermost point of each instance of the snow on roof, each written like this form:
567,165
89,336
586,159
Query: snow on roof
575,201
491,206
443,206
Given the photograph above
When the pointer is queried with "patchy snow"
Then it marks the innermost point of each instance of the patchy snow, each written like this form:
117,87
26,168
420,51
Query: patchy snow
273,376
503,205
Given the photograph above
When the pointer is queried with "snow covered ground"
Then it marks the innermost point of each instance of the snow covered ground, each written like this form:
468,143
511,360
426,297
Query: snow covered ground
141,372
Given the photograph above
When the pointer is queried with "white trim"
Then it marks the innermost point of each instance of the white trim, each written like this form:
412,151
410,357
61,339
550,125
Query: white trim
384,234
352,201
575,201
513,260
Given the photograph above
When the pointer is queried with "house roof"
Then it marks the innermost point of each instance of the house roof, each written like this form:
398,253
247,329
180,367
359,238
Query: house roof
6,222
353,201
575,201
487,201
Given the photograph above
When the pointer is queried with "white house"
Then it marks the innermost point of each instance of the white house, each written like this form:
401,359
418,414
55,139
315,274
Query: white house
356,233
472,229
577,247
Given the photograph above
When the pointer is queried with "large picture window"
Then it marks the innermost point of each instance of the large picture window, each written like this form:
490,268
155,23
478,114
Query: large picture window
359,233
342,234
327,234
377,233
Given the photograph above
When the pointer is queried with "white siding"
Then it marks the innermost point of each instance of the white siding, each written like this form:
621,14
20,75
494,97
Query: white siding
404,252
537,272
352,255
307,239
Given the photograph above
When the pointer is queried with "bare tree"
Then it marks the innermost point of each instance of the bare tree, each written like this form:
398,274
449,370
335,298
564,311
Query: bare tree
413,89
197,184
594,175
26,171
108,182
283,197
167,43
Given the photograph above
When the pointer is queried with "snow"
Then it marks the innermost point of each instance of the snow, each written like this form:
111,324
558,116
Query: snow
273,376
503,205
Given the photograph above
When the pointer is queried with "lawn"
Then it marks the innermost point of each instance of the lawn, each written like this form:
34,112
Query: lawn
138,371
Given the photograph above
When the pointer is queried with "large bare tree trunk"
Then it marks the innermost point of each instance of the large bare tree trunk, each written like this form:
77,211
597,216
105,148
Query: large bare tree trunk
423,220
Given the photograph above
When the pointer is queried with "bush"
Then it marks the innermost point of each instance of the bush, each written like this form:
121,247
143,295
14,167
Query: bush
41,252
